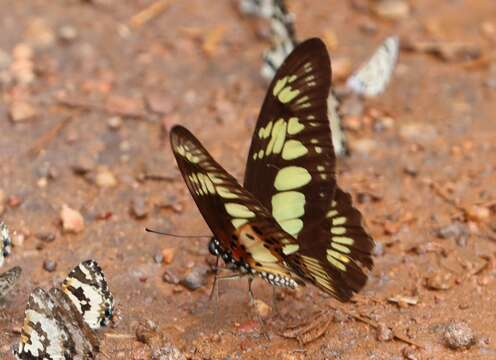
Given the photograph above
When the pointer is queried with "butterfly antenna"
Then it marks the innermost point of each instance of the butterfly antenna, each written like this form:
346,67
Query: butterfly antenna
175,235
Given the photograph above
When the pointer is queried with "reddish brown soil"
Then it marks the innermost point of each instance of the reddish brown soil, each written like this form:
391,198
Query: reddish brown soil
216,92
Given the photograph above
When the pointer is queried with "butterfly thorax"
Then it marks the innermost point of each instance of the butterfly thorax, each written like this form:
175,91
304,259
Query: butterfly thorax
240,265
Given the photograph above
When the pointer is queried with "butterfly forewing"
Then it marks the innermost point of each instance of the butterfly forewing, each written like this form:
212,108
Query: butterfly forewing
372,77
290,165
88,290
238,220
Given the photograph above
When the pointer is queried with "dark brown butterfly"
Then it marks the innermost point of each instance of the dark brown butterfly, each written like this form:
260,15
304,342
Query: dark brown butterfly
290,223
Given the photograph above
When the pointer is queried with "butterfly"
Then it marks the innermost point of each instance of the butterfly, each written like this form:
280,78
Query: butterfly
60,323
8,280
5,242
374,75
289,223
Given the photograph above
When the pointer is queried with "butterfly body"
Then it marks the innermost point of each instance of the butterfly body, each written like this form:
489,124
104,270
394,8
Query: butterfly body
289,223
59,324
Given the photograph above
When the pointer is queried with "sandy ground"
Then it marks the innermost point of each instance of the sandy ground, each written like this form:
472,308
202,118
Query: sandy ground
87,102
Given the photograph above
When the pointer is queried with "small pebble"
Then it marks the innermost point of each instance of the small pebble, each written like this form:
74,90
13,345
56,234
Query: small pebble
67,33
167,255
391,9
147,333
83,165
384,333
170,278
46,237
409,353
14,201
440,281
378,249
363,146
158,258
195,279
22,111
168,352
456,230
114,122
139,207
49,265
105,178
72,220
262,309
39,33
458,335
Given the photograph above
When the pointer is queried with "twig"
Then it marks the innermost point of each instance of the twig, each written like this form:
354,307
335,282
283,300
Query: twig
87,106
42,141
148,13
442,194
375,326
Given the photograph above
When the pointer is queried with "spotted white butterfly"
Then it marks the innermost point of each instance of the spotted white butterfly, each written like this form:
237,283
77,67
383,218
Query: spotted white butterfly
373,76
54,330
87,288
60,323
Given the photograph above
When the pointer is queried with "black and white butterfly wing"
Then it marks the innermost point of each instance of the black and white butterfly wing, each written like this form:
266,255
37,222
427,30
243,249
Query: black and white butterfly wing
245,230
88,290
261,8
5,242
8,280
372,77
49,332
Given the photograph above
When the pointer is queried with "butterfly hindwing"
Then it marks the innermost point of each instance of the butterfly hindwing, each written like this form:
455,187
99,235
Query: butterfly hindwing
335,260
51,329
88,290
244,229
372,77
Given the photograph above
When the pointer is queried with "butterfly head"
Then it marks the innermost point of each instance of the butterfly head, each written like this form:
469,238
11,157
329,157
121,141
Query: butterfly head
214,246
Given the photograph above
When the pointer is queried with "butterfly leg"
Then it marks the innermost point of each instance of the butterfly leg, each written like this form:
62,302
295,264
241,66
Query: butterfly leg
214,285
250,291
274,301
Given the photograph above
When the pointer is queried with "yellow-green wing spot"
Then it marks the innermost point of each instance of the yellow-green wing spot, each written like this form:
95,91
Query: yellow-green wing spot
294,126
293,149
239,210
278,136
287,208
340,244
284,92
292,177
318,273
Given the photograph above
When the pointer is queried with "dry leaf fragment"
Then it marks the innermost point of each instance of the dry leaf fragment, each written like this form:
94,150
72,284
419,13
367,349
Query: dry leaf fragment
309,331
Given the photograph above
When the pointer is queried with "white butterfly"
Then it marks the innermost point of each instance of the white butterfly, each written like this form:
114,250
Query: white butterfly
373,76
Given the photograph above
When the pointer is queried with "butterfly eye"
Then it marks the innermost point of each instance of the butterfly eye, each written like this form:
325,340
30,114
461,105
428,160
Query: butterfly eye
213,247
